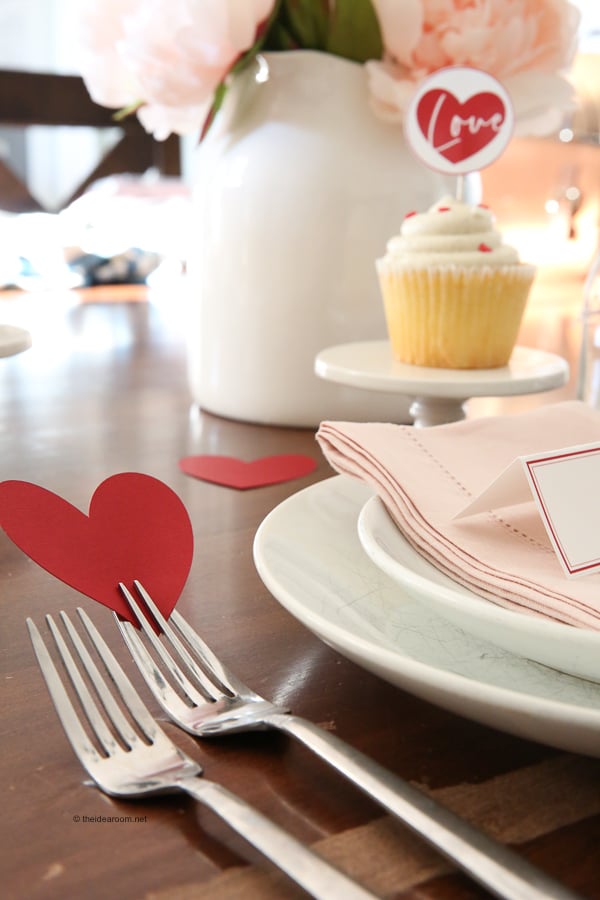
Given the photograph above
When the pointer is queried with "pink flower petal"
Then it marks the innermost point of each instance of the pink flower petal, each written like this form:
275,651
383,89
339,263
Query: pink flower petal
401,25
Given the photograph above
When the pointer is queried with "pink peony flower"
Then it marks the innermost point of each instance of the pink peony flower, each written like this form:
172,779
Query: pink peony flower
525,44
168,58
107,77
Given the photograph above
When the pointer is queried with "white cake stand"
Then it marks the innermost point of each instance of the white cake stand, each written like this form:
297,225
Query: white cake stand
439,394
13,340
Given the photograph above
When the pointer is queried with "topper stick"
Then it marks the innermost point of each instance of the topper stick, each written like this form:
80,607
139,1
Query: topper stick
460,186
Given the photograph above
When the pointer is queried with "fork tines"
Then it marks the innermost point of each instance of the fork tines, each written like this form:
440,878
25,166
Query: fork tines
125,763
110,724
181,638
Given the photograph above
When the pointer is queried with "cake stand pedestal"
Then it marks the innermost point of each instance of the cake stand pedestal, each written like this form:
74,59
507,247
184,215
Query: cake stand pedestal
439,394
13,340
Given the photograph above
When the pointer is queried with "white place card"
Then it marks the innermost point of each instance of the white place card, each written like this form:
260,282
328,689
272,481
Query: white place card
565,485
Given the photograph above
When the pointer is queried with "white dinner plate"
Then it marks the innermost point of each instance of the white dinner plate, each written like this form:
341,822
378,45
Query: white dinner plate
572,650
309,556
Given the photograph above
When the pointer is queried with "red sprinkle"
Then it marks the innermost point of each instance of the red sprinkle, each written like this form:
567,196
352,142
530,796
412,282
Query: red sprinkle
443,209
483,205
484,248
413,212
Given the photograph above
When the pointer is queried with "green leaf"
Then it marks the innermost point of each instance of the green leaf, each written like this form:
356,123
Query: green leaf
262,41
303,24
279,38
218,97
127,111
354,31
347,28
241,63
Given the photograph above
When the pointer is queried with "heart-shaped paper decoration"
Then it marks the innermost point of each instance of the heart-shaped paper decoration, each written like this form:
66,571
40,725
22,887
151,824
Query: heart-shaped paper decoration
137,528
459,120
460,130
236,473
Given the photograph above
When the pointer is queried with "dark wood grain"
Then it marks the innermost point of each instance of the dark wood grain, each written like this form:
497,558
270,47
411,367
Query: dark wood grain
104,390
46,99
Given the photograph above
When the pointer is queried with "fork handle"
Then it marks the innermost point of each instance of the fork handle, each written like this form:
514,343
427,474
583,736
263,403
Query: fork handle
503,872
306,868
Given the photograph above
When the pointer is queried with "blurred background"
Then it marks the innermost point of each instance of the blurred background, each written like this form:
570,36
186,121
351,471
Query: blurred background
120,192
83,200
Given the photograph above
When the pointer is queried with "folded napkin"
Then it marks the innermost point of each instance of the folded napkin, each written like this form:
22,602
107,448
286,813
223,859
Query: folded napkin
425,476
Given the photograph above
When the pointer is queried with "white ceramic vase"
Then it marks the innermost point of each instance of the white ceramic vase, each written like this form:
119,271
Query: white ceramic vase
297,188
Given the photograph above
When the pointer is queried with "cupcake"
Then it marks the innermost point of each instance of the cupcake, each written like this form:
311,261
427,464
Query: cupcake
454,294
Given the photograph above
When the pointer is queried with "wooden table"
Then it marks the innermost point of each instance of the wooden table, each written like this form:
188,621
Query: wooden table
103,390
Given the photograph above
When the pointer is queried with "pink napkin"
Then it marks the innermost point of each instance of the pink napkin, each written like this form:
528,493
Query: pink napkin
425,476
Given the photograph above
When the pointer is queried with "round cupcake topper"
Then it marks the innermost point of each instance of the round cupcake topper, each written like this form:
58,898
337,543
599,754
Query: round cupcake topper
459,120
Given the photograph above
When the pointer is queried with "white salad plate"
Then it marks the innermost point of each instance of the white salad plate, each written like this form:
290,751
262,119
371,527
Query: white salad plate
572,650
309,556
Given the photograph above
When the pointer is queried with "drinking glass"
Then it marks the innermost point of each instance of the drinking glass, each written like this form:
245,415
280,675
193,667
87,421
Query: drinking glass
588,381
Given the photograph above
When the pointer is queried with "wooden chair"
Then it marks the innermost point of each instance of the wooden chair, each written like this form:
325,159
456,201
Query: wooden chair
29,98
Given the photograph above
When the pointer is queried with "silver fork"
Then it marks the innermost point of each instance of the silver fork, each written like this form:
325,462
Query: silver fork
134,757
210,700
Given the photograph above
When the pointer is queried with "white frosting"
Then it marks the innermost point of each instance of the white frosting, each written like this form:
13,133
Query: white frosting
450,233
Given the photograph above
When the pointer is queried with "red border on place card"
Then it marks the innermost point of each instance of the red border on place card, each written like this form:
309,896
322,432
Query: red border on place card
556,529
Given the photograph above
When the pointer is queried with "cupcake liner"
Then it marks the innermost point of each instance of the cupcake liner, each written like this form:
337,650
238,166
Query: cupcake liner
454,318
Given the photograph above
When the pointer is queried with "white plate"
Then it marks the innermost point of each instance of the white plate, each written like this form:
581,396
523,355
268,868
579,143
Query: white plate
572,650
308,554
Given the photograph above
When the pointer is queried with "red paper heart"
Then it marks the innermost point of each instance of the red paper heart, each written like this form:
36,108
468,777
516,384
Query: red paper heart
459,130
236,473
137,528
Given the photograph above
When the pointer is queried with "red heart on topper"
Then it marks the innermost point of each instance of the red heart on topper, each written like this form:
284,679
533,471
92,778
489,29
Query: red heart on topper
459,130
236,473
137,527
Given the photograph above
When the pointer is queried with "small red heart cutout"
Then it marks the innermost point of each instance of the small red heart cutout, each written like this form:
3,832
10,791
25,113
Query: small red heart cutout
137,528
229,471
459,130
